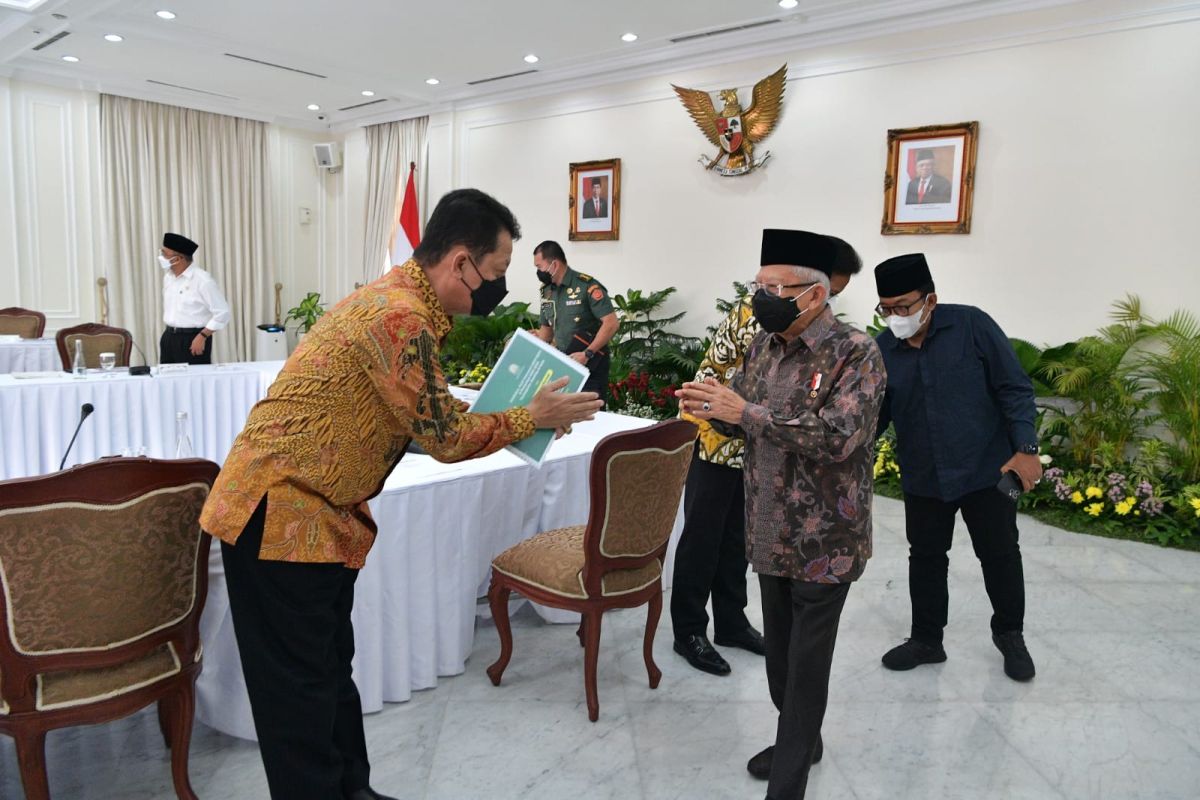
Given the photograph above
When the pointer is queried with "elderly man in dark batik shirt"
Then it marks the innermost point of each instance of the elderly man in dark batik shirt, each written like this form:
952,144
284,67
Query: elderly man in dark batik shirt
807,401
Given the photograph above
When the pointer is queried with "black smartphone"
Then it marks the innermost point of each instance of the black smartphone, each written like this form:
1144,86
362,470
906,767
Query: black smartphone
1010,486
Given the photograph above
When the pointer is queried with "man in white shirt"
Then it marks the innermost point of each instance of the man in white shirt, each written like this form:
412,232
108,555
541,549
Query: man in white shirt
193,306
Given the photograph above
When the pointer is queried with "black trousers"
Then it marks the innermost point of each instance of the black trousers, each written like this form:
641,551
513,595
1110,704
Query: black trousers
711,557
992,522
598,377
294,635
800,625
175,347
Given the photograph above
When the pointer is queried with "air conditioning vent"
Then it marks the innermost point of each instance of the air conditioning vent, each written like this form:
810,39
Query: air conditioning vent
52,40
276,66
363,105
501,77
189,89
722,31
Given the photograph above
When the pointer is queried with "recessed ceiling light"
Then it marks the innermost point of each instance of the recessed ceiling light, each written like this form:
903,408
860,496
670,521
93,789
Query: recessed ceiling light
432,81
531,59
367,93
788,3
629,37
165,14
113,37
72,59
313,107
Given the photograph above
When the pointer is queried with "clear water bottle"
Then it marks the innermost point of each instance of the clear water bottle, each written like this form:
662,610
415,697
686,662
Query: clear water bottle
183,440
78,365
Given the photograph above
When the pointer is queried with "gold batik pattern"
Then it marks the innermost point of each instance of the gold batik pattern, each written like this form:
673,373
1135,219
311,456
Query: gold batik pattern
364,382
722,361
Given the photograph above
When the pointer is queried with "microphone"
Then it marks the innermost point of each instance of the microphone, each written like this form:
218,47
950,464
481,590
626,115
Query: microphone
85,411
145,368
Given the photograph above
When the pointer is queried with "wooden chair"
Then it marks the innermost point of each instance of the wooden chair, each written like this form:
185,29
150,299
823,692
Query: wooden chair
103,575
24,322
616,559
97,339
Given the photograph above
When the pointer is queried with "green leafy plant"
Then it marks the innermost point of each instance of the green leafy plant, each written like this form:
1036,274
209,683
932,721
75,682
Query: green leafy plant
1172,378
649,361
307,312
481,340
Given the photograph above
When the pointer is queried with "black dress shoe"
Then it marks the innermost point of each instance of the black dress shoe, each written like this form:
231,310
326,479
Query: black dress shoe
1018,664
367,794
759,765
748,639
700,653
913,654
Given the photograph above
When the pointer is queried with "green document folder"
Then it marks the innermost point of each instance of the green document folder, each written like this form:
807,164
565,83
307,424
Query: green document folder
526,365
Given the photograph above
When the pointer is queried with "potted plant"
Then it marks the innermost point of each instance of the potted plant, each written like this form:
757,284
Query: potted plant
306,313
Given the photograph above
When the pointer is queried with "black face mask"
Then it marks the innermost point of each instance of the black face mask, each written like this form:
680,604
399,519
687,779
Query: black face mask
487,295
774,314
545,277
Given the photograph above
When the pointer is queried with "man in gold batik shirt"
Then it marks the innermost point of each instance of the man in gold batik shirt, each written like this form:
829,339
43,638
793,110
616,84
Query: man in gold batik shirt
710,560
290,504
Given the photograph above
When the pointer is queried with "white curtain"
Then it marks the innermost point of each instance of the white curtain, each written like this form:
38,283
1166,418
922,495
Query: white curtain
391,147
205,176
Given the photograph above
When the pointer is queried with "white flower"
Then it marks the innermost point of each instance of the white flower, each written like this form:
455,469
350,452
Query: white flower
1045,459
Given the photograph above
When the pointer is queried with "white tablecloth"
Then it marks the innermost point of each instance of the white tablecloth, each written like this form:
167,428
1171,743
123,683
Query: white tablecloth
29,355
38,415
416,600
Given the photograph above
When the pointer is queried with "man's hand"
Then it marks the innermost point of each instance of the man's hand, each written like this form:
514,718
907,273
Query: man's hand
1028,467
580,356
551,408
198,345
711,400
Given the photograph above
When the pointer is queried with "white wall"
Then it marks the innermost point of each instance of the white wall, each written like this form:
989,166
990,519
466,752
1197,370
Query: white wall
49,189
1088,174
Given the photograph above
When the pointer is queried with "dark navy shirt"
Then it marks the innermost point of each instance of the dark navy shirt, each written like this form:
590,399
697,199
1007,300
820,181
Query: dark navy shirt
961,403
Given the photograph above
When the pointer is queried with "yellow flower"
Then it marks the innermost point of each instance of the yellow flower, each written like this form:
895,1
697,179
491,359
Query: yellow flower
1076,498
1195,501
1094,509
1093,492
1124,507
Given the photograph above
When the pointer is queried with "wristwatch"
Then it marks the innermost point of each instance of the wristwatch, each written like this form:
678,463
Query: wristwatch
588,355
1028,449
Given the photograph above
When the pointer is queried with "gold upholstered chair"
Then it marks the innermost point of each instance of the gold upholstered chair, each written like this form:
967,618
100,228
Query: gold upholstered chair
22,321
96,339
616,559
103,575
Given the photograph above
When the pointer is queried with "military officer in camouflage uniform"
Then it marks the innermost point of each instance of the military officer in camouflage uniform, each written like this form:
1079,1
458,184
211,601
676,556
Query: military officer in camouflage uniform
577,314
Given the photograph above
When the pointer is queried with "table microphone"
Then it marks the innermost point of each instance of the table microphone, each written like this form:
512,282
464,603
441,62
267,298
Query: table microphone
145,368
85,411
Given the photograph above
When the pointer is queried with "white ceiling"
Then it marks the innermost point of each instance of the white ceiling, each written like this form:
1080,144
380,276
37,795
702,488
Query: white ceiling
391,47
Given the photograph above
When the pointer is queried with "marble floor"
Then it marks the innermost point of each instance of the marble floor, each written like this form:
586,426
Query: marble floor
1113,713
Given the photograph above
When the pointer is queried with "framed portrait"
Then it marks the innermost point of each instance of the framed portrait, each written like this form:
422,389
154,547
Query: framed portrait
595,203
930,179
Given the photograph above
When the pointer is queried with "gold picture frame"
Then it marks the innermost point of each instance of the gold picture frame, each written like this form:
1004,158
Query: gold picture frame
929,185
595,201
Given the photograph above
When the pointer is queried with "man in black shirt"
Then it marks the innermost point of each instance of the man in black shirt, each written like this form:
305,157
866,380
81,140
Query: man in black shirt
964,414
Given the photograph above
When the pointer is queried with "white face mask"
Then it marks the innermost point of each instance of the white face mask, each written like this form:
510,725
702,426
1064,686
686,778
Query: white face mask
833,302
906,327
164,262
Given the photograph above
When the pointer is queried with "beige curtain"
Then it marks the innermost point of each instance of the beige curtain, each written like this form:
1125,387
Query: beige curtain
391,147
202,175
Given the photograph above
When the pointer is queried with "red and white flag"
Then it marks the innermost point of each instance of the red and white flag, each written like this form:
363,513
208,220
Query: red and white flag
408,231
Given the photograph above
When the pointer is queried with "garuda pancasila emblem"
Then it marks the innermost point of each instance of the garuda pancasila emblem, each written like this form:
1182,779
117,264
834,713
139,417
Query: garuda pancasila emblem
735,130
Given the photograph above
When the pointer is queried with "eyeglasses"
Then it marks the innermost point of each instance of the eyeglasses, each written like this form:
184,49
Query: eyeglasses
902,310
774,288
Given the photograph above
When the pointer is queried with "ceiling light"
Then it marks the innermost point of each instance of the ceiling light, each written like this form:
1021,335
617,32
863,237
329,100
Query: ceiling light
629,37
367,93
432,81
531,59
313,107
788,3
113,37
72,59
165,14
